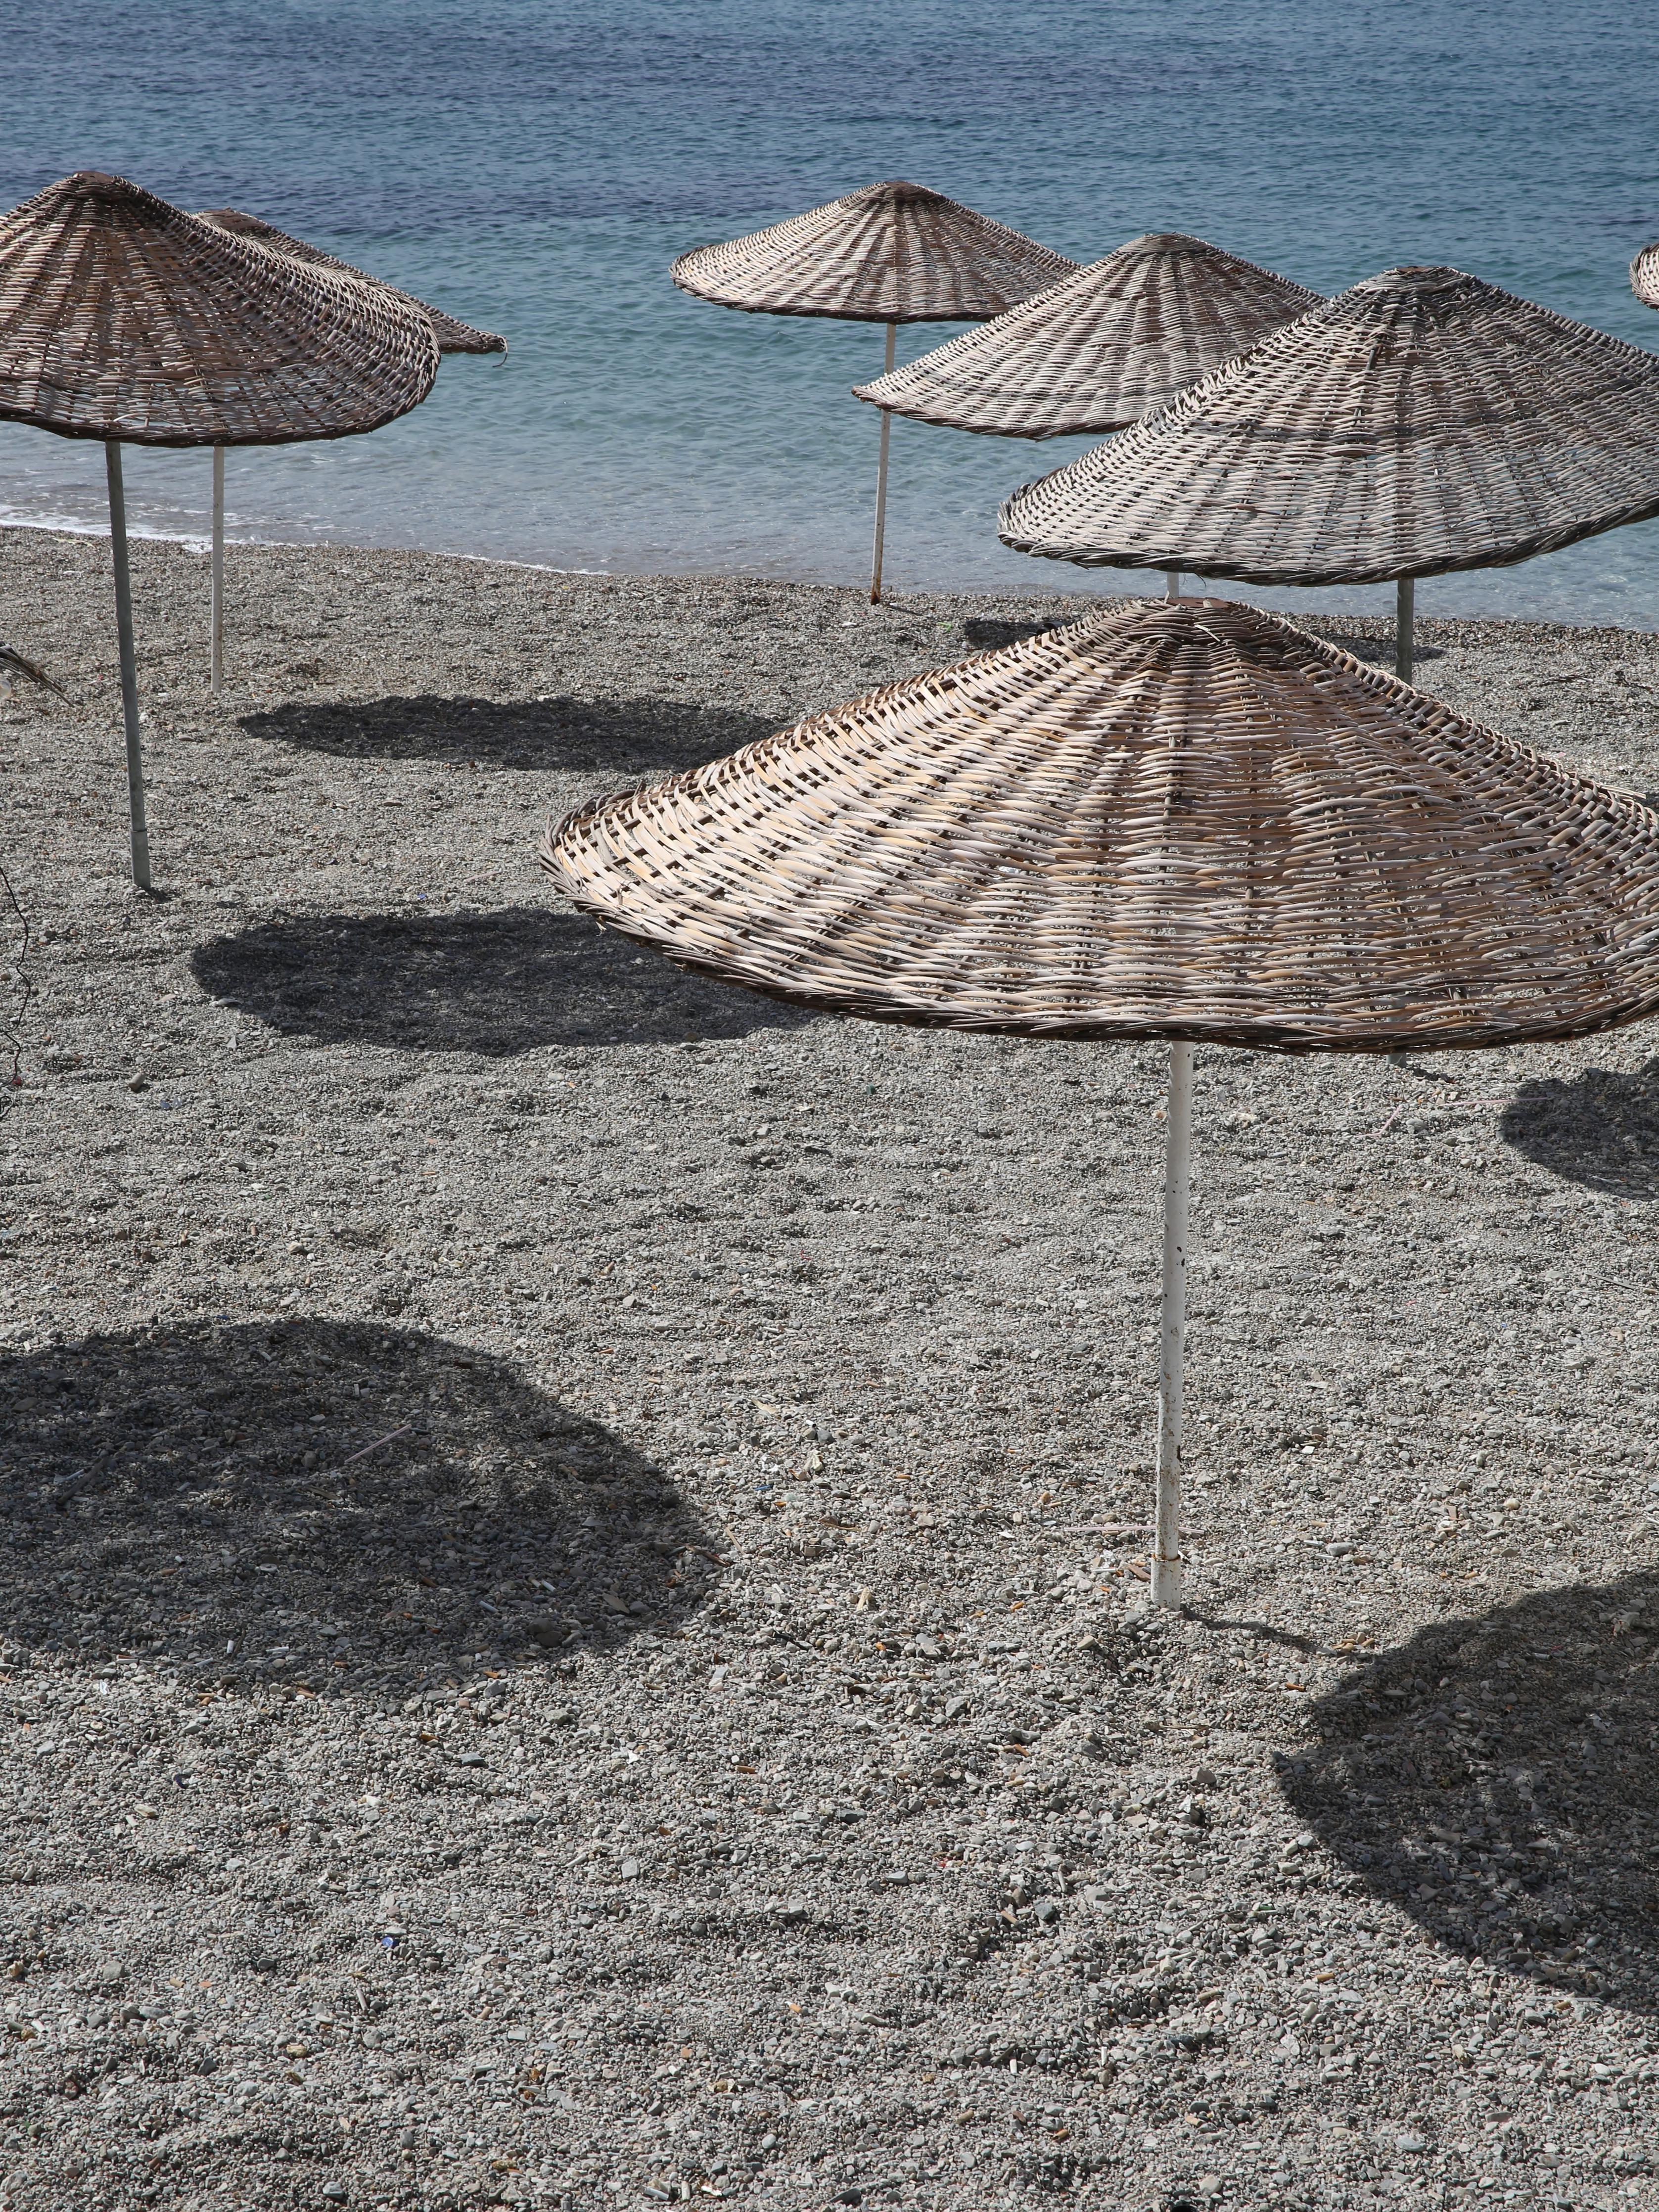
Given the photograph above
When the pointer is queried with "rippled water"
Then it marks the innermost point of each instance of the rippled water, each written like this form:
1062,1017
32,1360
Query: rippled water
536,166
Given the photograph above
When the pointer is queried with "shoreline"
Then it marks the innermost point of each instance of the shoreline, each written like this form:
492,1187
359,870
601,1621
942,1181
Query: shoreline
199,544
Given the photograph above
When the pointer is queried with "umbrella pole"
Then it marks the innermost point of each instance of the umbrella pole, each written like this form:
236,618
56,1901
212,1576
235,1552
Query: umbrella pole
1166,1574
1172,583
118,535
217,632
881,481
1404,612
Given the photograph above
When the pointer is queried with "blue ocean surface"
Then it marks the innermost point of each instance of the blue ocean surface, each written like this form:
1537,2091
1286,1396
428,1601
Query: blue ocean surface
535,166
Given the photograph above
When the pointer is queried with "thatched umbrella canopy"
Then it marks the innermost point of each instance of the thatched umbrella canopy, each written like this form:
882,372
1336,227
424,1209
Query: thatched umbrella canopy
1184,819
1095,350
453,335
126,319
1644,276
1423,422
893,253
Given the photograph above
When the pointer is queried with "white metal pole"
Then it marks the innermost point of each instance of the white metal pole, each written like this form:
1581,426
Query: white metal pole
1172,1358
881,481
216,655
1405,612
118,533
1172,583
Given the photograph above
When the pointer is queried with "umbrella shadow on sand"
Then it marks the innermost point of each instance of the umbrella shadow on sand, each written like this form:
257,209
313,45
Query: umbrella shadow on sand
622,736
1497,1780
191,1496
987,634
497,984
1601,1129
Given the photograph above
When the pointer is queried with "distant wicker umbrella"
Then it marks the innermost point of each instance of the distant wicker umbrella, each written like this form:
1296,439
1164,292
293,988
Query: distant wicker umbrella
893,253
453,336
1423,422
1095,351
125,320
1187,820
1098,348
1644,276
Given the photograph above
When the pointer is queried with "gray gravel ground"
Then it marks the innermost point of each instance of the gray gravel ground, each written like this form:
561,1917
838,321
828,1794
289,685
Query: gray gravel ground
571,1617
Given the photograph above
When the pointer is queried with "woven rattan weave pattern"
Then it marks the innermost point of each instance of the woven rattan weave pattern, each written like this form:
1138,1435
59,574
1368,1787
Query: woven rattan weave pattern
893,253
1644,276
1095,350
1421,422
1183,819
453,335
124,318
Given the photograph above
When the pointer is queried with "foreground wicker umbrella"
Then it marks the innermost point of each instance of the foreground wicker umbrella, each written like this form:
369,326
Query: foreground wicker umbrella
1186,820
453,335
894,252
1422,422
122,319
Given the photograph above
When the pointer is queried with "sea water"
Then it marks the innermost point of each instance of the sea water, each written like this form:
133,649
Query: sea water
535,166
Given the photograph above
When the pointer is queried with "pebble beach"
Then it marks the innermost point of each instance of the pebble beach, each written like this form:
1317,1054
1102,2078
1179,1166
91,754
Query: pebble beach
573,1612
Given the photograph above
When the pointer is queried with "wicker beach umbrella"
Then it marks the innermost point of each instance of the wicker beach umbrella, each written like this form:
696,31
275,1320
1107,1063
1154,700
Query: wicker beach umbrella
1423,422
894,252
126,319
1184,819
1097,350
1094,352
1644,276
453,335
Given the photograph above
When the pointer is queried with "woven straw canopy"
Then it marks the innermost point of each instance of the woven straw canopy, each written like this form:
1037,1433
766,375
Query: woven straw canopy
1644,276
1095,350
891,253
453,335
1185,819
124,318
1423,421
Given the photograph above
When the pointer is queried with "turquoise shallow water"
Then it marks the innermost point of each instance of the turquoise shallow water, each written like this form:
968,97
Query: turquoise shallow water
535,167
